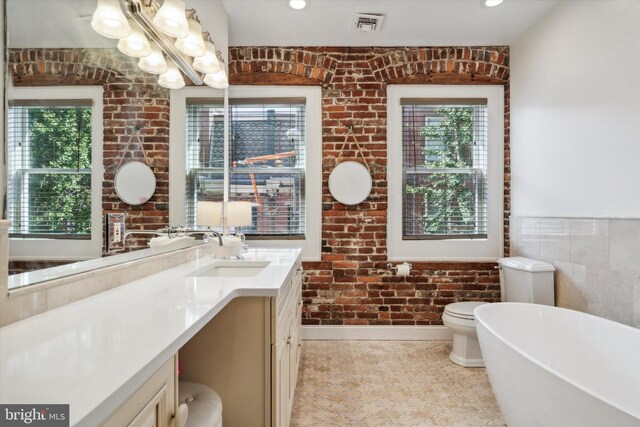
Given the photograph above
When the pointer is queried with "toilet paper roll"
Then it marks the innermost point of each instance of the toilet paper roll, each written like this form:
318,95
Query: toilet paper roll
403,269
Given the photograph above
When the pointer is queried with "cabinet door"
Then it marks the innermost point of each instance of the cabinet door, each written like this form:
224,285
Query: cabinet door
154,414
153,404
297,343
293,356
284,397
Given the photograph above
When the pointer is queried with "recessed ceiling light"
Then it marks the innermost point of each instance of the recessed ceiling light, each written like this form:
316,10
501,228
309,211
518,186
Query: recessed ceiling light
491,3
298,4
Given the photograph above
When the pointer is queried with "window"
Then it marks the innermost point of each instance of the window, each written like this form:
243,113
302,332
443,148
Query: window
267,161
53,194
274,132
445,172
444,151
49,191
267,152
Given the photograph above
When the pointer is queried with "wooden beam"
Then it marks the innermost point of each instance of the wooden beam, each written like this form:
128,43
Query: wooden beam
272,79
54,80
448,78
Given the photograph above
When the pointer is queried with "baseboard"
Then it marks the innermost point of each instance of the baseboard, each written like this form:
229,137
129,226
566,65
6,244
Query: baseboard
376,333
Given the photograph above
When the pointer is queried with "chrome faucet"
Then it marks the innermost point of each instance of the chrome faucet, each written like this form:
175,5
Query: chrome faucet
218,235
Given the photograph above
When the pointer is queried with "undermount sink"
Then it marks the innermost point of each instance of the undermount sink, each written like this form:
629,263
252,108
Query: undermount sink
231,268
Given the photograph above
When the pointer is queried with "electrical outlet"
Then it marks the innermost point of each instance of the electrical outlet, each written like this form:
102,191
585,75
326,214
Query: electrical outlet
117,232
114,231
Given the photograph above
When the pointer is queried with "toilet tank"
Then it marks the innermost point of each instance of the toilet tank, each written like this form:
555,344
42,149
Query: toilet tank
526,280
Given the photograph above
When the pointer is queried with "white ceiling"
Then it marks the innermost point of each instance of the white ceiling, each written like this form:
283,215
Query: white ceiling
66,23
406,22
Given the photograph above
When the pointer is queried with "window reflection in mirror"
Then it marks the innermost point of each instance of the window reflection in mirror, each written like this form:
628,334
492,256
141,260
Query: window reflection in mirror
57,194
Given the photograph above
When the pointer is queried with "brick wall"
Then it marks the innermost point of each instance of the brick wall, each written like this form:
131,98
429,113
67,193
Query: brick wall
351,284
130,99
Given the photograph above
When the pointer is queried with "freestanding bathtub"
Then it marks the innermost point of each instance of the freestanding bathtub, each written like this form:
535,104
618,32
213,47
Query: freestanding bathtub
551,366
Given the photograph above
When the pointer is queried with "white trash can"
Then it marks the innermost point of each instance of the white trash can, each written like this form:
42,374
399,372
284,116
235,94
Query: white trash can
203,403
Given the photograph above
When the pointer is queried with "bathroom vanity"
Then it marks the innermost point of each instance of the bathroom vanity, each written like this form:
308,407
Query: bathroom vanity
113,357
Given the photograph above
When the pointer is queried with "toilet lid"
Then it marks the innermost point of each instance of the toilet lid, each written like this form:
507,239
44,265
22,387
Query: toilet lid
462,309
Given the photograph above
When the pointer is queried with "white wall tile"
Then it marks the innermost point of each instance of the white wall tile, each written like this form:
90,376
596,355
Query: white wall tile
636,302
624,245
597,262
528,237
590,242
555,239
74,291
513,236
610,295
571,286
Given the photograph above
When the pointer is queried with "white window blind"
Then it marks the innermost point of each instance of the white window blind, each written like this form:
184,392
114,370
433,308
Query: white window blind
49,169
267,161
204,154
445,148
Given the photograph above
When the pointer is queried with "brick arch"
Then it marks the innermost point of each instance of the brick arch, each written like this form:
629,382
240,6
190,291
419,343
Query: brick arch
49,67
274,65
442,65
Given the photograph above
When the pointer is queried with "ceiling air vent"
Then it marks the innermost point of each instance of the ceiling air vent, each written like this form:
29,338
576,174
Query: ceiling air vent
367,22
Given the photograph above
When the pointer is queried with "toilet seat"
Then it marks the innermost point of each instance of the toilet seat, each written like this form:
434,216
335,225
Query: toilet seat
462,310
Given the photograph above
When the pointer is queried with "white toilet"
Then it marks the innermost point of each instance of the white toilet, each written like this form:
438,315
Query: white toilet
521,280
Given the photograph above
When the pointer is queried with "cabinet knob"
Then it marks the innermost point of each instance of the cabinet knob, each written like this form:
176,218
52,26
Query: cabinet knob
289,340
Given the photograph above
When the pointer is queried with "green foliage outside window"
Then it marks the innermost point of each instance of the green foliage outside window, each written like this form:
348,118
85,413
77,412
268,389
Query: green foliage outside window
449,198
60,200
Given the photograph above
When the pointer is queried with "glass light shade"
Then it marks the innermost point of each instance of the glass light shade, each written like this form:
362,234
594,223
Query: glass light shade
491,3
172,78
209,213
135,44
239,214
208,63
193,44
171,19
217,80
298,4
154,63
109,21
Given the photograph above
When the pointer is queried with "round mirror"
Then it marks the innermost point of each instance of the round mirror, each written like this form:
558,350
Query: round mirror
350,183
135,183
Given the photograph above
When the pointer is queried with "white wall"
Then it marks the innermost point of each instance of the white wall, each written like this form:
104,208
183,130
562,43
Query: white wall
214,18
575,112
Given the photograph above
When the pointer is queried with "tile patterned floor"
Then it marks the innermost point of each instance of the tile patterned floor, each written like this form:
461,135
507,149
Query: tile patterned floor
389,383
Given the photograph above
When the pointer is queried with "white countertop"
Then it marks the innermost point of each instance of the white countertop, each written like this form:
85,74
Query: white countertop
94,353
27,278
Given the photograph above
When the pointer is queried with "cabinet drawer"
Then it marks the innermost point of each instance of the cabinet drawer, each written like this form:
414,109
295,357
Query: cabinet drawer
293,283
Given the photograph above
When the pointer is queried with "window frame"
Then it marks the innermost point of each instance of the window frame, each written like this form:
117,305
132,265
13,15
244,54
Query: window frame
311,243
446,249
39,248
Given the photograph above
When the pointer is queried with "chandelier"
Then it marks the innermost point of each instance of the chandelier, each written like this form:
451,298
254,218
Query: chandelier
167,39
